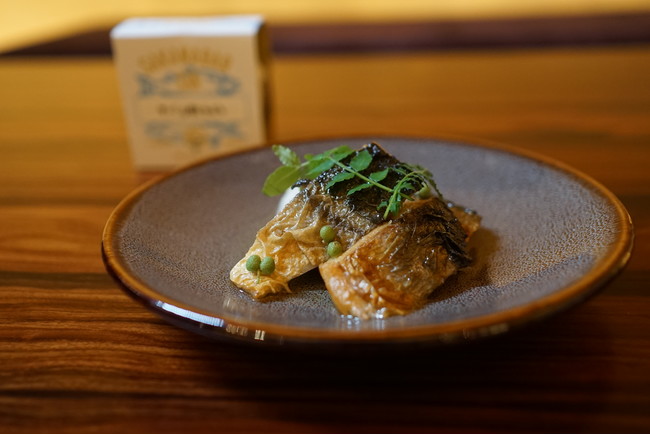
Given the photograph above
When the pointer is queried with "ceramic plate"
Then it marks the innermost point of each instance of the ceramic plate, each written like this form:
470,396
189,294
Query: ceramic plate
550,237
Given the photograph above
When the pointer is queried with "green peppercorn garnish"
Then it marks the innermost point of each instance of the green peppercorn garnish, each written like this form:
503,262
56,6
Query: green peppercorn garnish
253,263
327,233
334,249
267,266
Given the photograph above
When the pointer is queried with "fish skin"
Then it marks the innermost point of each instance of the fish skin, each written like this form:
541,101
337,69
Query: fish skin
292,237
395,267
365,280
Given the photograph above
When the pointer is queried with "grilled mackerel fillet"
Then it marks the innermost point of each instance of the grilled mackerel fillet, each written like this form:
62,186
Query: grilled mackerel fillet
395,267
382,258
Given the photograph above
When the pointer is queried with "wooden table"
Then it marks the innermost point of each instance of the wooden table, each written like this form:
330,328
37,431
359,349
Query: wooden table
77,354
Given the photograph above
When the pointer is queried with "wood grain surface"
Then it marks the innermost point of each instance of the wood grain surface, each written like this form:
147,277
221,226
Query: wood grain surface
78,355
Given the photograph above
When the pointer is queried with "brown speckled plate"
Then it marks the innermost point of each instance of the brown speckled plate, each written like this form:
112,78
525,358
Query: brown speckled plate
551,237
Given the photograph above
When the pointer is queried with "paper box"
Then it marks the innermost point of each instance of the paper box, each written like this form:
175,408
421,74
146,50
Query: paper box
191,87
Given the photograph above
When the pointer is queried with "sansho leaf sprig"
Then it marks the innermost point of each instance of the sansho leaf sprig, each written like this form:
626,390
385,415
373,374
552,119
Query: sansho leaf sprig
414,180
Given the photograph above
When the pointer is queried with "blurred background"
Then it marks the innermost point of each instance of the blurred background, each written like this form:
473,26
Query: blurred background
81,27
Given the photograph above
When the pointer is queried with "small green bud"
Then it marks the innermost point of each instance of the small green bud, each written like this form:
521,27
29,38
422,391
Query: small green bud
327,233
267,266
253,263
334,249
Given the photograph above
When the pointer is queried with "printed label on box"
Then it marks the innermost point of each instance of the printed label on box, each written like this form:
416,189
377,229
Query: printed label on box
192,88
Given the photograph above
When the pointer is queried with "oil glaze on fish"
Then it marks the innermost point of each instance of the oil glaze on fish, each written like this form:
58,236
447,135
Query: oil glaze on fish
389,265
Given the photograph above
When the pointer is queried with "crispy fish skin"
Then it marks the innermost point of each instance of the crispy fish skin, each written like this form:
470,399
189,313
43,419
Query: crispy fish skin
396,266
387,268
292,237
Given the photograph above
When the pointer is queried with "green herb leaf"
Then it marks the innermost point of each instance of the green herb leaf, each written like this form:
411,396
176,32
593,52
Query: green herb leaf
281,179
286,155
319,163
379,175
406,186
339,153
361,161
358,188
393,208
412,179
341,176
423,171
316,167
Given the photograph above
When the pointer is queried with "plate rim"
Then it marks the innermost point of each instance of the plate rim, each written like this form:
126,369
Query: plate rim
491,324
